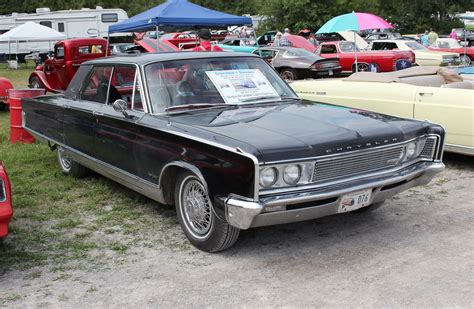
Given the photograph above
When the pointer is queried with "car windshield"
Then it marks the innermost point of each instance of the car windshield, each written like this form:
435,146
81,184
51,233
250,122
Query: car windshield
207,82
297,52
448,44
415,46
347,47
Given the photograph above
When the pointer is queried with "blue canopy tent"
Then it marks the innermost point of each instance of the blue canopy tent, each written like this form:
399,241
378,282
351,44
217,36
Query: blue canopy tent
178,13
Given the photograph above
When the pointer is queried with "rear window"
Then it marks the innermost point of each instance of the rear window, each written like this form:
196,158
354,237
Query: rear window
328,49
90,49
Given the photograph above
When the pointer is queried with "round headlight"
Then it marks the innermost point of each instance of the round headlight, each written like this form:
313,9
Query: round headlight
268,177
292,174
411,150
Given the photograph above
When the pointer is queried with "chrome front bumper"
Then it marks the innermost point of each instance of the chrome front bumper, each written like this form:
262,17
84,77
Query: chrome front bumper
243,213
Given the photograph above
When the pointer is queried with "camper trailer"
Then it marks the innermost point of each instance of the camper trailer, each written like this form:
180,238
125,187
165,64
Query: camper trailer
81,23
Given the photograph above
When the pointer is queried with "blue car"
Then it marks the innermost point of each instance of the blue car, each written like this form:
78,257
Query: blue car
243,45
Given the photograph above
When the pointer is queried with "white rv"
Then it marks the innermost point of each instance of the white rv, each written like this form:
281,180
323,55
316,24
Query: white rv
81,23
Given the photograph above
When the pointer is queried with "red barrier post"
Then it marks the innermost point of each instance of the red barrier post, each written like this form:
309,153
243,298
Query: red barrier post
17,133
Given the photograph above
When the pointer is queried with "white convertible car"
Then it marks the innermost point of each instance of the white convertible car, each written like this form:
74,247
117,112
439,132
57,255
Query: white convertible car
423,55
425,93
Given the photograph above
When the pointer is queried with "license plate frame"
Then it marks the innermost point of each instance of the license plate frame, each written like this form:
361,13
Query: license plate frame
354,200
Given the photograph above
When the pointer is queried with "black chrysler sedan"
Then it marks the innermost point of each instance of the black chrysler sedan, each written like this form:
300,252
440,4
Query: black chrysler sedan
223,137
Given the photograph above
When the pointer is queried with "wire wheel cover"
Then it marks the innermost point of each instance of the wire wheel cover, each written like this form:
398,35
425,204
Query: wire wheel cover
196,208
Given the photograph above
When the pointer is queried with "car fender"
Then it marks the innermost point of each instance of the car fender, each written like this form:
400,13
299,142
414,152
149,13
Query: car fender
42,77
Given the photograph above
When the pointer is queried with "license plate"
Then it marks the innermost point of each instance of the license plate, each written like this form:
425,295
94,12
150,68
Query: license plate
331,73
355,200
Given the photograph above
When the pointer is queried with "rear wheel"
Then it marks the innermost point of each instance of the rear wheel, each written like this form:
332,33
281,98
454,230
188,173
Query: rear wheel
197,219
69,166
362,67
465,60
288,74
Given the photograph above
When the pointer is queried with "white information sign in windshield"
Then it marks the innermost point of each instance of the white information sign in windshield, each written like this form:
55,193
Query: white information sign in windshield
242,86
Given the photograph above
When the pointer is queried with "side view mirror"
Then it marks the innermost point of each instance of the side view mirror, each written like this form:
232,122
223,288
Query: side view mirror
120,106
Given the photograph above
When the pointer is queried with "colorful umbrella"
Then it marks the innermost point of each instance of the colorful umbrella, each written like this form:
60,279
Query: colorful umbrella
355,22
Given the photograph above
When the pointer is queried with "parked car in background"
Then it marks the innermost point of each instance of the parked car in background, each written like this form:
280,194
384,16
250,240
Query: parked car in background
226,140
5,85
266,38
382,36
181,39
433,93
57,72
466,36
245,45
347,53
296,63
120,48
466,54
6,209
423,55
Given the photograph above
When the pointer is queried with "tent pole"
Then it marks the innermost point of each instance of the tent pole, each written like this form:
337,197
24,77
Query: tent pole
157,38
357,65
108,44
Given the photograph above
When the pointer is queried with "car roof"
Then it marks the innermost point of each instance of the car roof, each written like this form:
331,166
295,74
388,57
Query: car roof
146,58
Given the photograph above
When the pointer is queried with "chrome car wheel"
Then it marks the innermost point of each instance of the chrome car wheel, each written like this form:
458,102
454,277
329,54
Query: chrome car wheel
195,207
35,83
288,75
362,67
64,160
465,60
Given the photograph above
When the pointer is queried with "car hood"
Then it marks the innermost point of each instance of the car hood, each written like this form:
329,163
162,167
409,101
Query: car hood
288,131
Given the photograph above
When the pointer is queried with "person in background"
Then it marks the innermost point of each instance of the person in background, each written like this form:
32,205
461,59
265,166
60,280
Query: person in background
312,39
424,39
432,37
205,44
454,35
284,40
277,39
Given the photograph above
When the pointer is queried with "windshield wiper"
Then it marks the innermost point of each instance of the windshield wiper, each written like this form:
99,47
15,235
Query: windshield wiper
261,98
192,106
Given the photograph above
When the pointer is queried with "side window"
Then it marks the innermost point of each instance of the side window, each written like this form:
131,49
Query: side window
60,27
46,24
328,49
109,17
126,86
59,52
377,45
97,87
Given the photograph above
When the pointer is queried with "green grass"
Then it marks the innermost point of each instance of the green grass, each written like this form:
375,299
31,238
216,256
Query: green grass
64,223
19,78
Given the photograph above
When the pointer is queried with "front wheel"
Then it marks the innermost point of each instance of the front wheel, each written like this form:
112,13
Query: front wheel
465,60
197,219
69,166
35,83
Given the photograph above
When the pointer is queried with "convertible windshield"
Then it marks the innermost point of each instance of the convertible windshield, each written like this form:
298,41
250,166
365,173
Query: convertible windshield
213,81
415,46
347,47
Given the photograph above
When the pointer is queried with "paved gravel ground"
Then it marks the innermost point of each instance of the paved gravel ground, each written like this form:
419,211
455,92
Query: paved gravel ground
416,251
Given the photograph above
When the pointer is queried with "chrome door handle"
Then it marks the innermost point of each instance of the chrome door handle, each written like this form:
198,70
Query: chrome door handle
426,93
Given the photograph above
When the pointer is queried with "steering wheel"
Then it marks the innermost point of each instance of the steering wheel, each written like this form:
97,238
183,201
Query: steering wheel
184,89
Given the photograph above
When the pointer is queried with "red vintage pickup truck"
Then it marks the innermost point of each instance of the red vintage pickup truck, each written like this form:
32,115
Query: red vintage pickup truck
347,52
57,72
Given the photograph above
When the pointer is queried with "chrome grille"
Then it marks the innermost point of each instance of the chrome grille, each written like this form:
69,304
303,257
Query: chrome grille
429,148
356,164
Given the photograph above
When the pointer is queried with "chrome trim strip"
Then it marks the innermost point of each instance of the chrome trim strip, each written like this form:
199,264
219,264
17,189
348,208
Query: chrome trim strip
350,153
131,181
465,150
